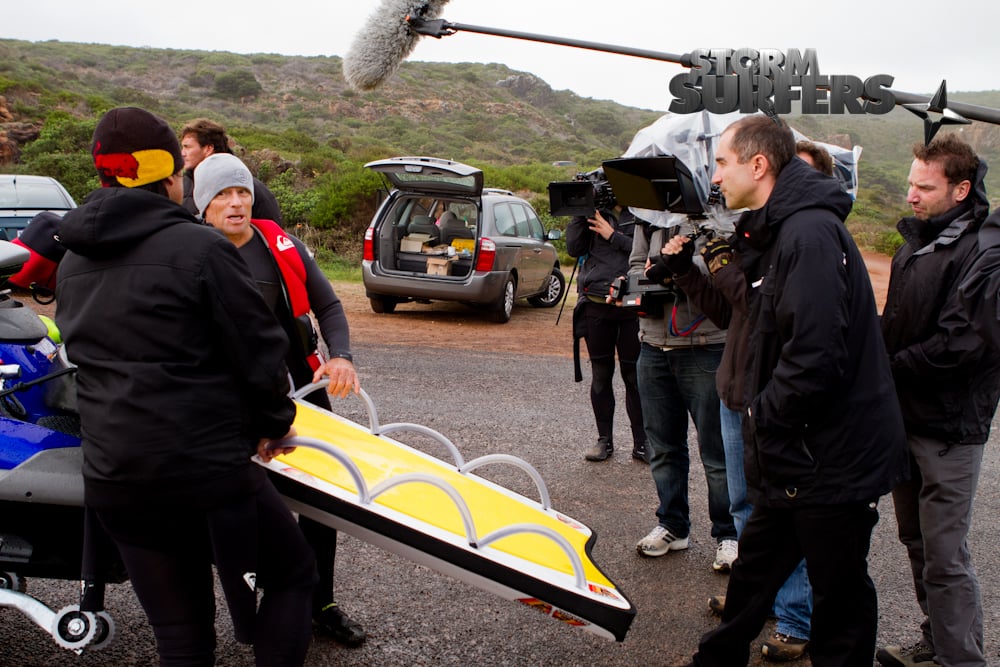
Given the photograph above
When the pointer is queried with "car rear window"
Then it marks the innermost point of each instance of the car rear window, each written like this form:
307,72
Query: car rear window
32,195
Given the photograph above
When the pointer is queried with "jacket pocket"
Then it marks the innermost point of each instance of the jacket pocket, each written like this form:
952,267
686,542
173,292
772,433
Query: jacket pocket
788,467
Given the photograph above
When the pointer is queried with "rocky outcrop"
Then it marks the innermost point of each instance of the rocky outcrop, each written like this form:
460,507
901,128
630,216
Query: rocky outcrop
12,137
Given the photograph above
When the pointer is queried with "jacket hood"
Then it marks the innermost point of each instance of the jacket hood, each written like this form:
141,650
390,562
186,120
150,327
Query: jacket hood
798,187
989,233
112,220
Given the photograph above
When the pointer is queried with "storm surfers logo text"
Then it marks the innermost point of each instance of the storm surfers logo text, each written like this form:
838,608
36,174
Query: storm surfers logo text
749,80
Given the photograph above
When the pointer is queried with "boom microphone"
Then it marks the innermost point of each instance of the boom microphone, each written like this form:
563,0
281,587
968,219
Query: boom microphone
380,48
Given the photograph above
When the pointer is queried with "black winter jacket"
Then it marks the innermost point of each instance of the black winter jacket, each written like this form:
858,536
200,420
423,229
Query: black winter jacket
605,259
823,423
980,291
947,379
181,363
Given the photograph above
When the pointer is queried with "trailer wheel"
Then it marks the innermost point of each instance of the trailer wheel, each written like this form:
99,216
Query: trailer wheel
106,631
74,629
13,582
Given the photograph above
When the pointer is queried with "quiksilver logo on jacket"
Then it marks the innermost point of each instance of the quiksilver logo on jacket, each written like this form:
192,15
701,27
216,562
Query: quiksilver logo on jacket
283,243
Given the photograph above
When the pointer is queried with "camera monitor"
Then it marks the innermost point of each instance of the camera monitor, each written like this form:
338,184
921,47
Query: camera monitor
571,198
661,183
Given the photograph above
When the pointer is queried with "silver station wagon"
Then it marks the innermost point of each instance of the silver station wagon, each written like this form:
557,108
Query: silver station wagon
441,236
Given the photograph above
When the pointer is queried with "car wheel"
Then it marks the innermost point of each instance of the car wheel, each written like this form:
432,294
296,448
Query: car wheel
503,308
554,287
383,304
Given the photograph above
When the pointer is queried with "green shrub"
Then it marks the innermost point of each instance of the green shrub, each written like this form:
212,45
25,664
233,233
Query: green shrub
340,194
238,84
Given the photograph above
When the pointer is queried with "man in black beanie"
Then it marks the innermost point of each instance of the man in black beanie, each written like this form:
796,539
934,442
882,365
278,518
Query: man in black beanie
181,381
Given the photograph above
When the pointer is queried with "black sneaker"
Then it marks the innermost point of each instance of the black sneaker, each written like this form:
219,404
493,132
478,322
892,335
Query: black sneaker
600,450
331,622
640,452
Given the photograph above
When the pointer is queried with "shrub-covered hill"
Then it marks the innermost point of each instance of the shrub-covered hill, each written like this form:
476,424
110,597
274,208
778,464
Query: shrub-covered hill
307,134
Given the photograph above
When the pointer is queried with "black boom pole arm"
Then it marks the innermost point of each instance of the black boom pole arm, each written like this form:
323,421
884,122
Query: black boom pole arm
440,28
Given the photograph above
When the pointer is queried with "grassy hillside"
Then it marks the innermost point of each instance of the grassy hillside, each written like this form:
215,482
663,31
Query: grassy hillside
306,134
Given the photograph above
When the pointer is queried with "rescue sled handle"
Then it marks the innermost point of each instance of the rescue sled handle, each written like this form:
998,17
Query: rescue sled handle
441,28
366,496
463,467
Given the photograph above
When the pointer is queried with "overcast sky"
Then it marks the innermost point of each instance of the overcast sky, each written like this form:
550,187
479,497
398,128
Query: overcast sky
916,41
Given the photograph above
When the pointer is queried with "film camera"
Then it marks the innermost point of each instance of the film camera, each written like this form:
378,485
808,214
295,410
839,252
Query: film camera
659,183
582,196
641,293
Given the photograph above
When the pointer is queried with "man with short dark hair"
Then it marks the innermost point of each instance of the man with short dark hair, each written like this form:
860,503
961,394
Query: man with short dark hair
203,137
948,382
823,436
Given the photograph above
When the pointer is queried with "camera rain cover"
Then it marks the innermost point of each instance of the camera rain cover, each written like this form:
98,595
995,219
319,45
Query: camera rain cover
691,139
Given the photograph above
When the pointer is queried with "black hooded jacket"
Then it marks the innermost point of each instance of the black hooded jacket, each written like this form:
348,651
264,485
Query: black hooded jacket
980,291
947,379
823,423
181,363
605,260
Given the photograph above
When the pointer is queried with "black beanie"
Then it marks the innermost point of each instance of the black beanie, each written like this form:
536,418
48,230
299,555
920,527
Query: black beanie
132,147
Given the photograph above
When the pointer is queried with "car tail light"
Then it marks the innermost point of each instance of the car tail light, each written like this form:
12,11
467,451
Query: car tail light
487,253
368,250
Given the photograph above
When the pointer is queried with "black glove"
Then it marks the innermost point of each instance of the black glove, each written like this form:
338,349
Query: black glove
680,263
658,271
717,253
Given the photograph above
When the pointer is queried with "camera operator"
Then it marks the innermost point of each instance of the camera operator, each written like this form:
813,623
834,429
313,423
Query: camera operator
679,354
604,242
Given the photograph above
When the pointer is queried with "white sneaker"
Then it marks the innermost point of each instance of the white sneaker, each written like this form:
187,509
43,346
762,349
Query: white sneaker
660,541
725,555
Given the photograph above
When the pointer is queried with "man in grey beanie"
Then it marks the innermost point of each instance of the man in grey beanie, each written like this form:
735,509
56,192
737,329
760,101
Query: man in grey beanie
292,285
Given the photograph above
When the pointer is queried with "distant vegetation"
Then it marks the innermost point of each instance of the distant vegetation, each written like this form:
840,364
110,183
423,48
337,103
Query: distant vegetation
307,135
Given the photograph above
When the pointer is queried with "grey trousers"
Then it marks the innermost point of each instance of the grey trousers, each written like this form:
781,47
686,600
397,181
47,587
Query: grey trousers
934,511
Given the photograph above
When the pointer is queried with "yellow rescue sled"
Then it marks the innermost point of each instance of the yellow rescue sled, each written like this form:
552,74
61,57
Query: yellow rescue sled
441,515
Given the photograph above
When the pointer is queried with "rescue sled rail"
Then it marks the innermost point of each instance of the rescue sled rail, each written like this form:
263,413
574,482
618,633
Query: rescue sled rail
366,496
452,492
514,529
369,403
460,463
543,490
378,429
430,433
312,443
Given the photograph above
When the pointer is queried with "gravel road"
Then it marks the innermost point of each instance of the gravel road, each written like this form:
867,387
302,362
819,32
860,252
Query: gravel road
527,405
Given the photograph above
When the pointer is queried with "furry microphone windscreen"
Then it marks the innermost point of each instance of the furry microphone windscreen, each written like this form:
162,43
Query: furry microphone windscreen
385,41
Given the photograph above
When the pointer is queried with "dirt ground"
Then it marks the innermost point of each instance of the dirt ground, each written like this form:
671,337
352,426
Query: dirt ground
447,325
529,330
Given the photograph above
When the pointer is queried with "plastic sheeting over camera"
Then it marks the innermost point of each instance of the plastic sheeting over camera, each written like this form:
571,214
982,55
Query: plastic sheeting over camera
693,139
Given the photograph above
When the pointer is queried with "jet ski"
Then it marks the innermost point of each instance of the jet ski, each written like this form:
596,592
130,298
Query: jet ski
42,516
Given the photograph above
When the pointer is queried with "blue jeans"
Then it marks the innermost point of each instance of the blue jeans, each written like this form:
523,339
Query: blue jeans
793,603
732,442
673,384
